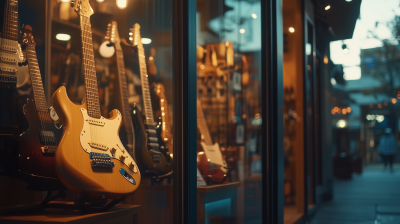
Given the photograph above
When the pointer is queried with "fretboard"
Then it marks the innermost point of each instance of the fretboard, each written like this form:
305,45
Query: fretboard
202,124
123,89
10,27
148,109
89,69
37,85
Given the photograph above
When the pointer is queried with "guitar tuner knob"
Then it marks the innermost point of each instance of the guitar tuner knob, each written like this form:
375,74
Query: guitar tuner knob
72,3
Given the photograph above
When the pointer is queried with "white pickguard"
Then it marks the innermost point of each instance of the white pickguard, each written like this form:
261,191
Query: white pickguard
10,56
105,134
214,155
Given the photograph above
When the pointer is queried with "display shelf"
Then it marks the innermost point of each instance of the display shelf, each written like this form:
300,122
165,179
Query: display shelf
120,213
212,193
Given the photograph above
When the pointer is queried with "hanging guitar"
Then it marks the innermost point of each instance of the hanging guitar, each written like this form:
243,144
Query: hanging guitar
210,163
90,158
127,133
151,152
11,74
38,144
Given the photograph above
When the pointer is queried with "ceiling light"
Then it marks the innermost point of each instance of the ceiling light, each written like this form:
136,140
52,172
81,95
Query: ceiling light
348,0
341,124
65,0
242,31
327,7
291,29
326,60
100,0
63,37
121,4
254,16
146,41
105,50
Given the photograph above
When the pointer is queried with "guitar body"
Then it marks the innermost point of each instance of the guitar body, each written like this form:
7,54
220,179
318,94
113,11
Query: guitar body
73,163
212,173
143,140
32,160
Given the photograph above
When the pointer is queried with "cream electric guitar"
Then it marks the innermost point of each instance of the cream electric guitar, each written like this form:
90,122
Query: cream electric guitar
212,166
127,133
90,159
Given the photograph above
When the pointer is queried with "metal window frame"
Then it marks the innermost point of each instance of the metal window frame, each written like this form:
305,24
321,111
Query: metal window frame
185,175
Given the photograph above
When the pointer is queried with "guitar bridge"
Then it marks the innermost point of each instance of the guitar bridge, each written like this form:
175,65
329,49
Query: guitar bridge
47,138
101,160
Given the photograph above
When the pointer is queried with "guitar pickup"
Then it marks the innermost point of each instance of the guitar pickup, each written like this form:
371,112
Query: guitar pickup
95,122
49,149
98,146
101,160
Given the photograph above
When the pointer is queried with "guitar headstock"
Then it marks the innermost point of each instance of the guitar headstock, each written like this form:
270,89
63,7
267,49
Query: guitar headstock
82,7
112,32
134,36
27,37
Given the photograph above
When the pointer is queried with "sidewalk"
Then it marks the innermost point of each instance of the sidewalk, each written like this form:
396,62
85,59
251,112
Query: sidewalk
370,198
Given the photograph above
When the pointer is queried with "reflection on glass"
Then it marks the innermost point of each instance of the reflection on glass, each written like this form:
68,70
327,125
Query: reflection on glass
228,111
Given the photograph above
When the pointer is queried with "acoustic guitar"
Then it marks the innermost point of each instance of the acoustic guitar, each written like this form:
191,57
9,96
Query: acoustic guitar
127,133
90,158
38,144
151,152
210,163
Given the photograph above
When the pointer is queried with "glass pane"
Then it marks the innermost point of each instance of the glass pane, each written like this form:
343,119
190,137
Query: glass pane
228,111
87,58
133,56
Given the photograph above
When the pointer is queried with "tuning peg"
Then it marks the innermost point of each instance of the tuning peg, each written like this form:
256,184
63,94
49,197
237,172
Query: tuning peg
72,3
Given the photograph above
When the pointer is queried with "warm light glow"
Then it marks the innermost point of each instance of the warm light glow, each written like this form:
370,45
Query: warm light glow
341,124
291,29
100,0
67,0
336,109
201,153
171,155
146,41
326,60
344,111
333,111
394,101
327,7
121,4
348,109
162,100
63,37
202,66
379,105
150,58
254,16
242,31
398,96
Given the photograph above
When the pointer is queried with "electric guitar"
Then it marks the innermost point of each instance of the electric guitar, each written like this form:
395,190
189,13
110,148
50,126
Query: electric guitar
11,75
212,166
90,158
128,133
151,152
166,133
38,144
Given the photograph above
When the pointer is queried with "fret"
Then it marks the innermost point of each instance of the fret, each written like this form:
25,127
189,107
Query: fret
10,20
89,68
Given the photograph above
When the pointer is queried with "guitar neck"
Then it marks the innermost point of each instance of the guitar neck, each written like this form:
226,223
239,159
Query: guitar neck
123,89
166,127
36,78
148,109
202,124
10,28
89,69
